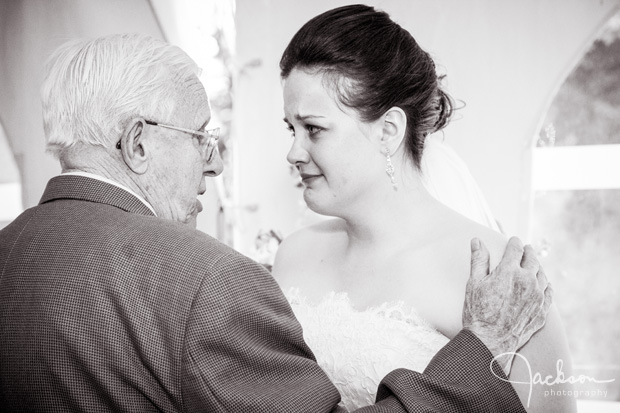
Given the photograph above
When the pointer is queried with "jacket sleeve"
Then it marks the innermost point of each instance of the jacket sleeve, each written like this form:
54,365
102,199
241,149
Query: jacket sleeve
244,352
462,377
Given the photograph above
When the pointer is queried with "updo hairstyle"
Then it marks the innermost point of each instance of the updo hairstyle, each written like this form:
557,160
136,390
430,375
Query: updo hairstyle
373,64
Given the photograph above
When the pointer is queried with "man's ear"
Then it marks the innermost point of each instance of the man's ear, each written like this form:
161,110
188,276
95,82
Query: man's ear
394,128
132,146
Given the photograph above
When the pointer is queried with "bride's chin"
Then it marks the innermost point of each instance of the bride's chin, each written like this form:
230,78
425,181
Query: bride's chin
317,206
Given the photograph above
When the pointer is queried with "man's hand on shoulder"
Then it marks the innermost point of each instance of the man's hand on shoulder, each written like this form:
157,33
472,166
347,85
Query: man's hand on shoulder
505,307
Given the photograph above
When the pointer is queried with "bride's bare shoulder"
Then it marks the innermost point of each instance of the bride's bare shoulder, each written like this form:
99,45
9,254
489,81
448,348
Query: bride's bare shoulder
494,241
445,289
299,250
459,231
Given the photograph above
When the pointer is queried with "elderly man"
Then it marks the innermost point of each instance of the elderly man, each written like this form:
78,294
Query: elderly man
109,301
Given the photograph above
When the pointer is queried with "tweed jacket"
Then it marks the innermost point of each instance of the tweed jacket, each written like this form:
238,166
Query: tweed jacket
105,307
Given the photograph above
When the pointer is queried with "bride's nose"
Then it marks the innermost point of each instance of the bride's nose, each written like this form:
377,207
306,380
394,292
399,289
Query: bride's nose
297,154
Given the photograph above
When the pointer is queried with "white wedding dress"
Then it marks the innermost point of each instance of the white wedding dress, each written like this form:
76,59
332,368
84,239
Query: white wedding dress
356,349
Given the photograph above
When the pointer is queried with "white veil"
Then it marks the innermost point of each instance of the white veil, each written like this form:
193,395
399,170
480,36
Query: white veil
446,177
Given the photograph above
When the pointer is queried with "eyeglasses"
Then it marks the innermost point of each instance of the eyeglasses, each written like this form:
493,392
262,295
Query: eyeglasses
206,139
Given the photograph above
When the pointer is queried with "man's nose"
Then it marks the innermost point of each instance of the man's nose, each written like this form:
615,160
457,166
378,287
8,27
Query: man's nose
215,166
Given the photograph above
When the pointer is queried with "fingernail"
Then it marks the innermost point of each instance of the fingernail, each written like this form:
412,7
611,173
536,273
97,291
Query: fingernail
475,244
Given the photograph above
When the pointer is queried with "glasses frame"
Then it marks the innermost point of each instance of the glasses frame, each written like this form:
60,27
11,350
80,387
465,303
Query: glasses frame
211,135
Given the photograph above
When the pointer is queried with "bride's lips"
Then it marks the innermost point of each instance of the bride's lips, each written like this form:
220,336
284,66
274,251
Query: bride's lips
308,178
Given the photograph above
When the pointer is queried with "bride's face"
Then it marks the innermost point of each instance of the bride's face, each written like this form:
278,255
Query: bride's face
338,155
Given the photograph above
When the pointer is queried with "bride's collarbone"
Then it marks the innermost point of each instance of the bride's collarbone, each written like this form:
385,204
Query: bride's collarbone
421,283
367,268
403,272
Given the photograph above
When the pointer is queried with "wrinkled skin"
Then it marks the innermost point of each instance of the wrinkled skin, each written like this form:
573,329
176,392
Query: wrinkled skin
505,307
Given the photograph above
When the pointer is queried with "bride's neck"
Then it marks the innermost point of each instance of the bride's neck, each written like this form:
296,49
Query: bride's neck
388,217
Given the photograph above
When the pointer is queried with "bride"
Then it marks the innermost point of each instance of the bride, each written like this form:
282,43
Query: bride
381,286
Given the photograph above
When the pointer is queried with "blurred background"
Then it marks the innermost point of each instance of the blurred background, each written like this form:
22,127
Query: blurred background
540,129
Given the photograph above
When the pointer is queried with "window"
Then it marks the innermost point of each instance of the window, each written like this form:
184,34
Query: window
576,214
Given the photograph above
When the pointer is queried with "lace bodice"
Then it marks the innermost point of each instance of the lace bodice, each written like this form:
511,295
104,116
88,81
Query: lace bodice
358,348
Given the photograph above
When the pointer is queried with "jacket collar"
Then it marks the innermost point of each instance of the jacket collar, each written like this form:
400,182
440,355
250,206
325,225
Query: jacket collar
93,190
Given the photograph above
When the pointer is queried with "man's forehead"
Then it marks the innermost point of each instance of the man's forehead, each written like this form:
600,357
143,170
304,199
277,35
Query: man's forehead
192,91
193,85
193,101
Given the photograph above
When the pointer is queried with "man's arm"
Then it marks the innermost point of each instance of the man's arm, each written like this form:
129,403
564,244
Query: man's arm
245,351
458,379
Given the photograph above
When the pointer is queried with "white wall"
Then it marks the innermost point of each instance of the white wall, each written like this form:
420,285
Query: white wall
10,183
505,59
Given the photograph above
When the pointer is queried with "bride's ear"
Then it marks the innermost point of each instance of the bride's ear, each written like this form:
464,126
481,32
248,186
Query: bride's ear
394,128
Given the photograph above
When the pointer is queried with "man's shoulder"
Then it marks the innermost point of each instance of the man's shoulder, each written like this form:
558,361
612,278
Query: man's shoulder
10,233
179,240
121,237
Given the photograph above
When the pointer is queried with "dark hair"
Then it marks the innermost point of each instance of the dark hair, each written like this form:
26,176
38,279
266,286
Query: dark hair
374,65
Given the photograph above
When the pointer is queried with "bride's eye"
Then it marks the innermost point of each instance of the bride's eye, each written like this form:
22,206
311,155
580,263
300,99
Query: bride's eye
313,130
291,129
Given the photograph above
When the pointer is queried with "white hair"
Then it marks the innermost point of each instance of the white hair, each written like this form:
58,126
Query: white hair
93,88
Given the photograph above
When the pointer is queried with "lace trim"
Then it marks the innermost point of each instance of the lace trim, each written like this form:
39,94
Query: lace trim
358,348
